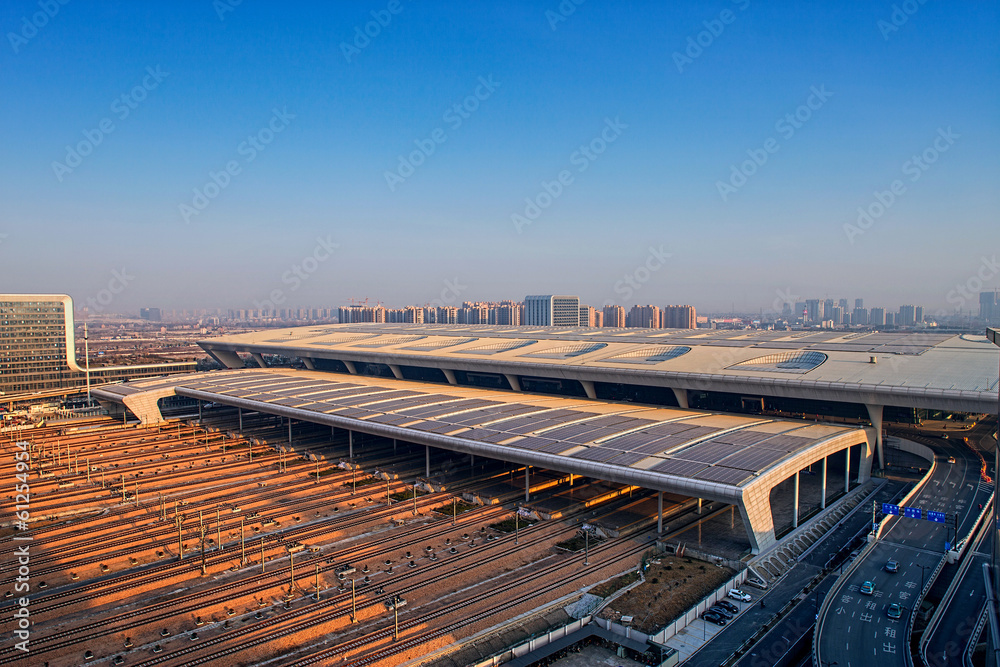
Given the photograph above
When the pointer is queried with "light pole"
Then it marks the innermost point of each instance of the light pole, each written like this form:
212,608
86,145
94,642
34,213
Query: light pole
923,571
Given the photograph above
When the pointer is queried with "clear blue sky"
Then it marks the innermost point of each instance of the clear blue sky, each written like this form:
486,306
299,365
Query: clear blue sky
678,127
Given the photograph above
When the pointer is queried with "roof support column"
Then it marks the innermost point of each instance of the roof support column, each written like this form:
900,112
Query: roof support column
699,506
659,513
795,506
527,483
396,372
351,368
875,415
199,409
847,470
350,444
289,431
308,363
449,375
515,384
822,496
427,461
682,397
588,386
259,358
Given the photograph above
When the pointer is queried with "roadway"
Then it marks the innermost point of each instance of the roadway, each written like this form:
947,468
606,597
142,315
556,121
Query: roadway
800,620
856,630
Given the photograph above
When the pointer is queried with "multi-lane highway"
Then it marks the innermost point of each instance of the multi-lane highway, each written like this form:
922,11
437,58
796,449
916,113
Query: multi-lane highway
855,629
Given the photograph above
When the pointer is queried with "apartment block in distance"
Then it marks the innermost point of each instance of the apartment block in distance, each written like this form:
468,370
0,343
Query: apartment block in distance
38,350
552,310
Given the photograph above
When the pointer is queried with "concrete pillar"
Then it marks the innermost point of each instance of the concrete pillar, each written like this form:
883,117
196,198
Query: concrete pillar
659,513
588,386
682,397
396,372
847,470
289,431
449,375
875,415
822,496
199,409
308,363
515,384
240,411
427,461
527,483
699,506
259,358
350,444
795,506
351,368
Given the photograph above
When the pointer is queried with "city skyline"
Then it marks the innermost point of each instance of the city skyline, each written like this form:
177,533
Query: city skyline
716,153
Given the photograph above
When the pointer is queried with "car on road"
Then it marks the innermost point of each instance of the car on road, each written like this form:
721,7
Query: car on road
951,459
737,594
722,611
894,611
892,566
868,588
714,617
726,604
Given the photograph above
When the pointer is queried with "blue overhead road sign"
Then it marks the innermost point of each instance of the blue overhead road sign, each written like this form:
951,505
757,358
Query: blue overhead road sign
937,517
888,508
913,513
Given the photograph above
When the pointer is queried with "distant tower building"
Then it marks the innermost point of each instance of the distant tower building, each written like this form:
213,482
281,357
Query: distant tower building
588,316
644,317
890,319
828,309
877,317
859,303
838,315
614,316
679,317
860,315
989,307
151,314
552,310
843,305
814,311
918,314
907,316
413,315
509,314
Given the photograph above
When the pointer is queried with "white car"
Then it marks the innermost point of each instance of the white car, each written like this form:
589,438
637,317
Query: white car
737,594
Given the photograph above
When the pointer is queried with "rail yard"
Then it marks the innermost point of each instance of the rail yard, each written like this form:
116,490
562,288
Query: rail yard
214,542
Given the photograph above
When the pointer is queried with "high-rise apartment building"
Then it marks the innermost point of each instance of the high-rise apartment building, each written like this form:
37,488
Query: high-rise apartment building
644,317
989,307
588,316
614,316
859,303
860,315
38,348
814,310
679,317
907,316
843,305
552,310
877,317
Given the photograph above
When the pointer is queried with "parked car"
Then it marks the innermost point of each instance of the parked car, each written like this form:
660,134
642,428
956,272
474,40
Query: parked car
726,614
892,566
714,617
894,611
868,588
737,594
726,604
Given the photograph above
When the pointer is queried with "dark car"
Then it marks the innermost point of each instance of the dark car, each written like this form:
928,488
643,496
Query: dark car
726,604
892,566
714,617
721,610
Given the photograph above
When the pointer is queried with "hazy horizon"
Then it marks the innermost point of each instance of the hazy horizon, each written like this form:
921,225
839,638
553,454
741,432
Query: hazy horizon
204,155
